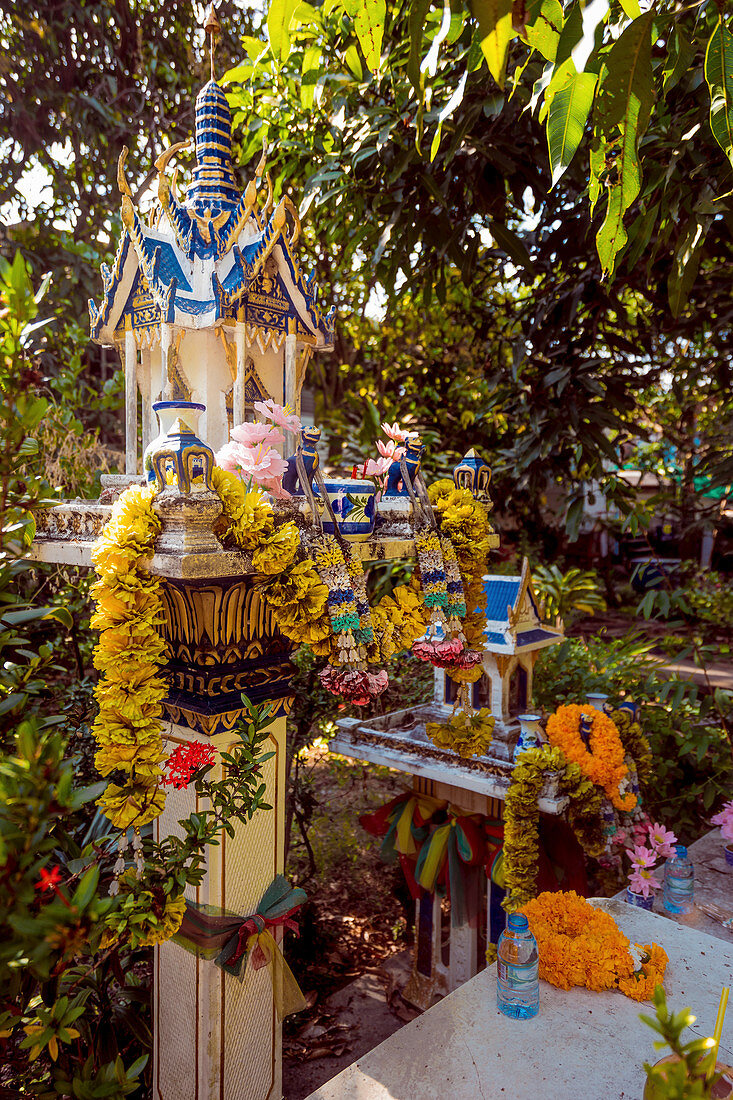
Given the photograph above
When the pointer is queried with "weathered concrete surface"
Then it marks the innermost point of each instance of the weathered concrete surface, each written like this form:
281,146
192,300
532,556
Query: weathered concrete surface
582,1044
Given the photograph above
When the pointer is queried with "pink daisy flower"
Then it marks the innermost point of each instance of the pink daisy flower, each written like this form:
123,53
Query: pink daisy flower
253,434
641,856
643,882
395,432
662,840
725,820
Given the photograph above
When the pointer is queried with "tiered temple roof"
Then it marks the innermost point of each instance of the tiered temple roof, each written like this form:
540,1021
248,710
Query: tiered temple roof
201,261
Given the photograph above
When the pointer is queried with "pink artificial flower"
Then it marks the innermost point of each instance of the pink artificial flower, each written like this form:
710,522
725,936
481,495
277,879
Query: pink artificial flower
725,819
642,881
390,451
376,467
278,415
395,432
662,840
253,434
641,856
619,836
259,464
441,654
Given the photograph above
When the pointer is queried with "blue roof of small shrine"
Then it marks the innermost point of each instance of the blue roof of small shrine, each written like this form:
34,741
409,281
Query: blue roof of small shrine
509,603
499,593
205,259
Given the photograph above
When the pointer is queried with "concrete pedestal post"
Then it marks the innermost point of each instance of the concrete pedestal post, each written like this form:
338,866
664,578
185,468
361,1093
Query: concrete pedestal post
217,1037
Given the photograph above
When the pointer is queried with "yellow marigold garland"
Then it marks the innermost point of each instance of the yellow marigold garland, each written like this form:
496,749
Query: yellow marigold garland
580,945
129,653
604,762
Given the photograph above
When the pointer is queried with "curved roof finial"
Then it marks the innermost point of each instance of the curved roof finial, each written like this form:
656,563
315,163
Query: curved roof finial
212,28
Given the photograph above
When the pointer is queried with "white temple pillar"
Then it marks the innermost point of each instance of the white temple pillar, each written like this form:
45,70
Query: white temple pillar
217,1037
240,338
130,399
291,372
166,339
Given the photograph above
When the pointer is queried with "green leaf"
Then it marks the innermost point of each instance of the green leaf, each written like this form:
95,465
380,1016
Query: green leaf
87,888
507,240
719,75
544,34
309,75
494,18
631,8
624,105
278,27
368,16
679,56
687,262
352,59
416,23
569,98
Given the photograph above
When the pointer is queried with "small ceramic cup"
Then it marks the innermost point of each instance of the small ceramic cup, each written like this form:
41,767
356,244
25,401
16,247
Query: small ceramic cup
639,900
353,502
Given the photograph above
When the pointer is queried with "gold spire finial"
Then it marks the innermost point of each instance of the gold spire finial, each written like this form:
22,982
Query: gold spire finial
212,28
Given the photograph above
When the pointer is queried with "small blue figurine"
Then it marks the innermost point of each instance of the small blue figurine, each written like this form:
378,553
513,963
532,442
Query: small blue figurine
307,448
586,725
413,454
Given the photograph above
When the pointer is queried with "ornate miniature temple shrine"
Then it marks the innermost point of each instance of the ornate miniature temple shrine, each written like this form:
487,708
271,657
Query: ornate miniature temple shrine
211,314
206,300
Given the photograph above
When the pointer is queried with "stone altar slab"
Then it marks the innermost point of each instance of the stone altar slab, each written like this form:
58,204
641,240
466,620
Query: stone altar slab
581,1044
398,740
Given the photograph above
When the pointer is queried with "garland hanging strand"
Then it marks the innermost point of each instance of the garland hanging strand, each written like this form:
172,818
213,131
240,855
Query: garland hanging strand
129,654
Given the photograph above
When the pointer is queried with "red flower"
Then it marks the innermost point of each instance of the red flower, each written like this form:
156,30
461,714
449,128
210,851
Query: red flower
49,880
185,760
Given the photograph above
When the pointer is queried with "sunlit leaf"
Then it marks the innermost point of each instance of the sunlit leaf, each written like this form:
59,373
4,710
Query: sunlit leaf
569,98
719,75
368,16
494,18
624,106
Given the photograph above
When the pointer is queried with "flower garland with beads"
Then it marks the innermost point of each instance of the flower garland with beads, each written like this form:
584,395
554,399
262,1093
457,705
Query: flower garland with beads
521,818
579,945
599,753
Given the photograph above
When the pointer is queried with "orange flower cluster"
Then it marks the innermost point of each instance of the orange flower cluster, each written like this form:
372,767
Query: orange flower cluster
603,763
583,946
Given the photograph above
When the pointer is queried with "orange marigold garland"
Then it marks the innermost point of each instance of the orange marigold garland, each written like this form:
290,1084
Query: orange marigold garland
581,945
602,760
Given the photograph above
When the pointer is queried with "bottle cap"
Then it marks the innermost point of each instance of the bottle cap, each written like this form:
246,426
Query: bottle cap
681,851
517,922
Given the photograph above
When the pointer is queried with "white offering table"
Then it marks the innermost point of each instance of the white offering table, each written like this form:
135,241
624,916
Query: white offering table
582,1044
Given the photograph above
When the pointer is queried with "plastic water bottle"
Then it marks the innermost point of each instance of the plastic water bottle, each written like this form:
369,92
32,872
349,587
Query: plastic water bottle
679,882
517,978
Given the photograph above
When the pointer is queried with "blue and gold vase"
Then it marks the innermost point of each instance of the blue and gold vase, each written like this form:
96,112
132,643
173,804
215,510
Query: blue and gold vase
177,452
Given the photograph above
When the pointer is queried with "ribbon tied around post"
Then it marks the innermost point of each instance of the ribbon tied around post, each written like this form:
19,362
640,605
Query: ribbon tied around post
236,943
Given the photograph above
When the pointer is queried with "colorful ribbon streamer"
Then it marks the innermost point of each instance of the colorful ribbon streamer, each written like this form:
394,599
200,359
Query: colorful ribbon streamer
439,846
234,942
